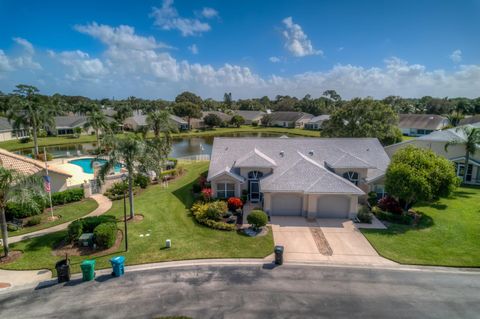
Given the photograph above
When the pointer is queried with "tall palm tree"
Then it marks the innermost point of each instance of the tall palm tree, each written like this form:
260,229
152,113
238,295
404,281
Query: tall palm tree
30,110
137,156
159,122
97,120
471,141
18,188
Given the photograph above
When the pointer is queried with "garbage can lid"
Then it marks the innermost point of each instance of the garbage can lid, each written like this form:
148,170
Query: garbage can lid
90,262
118,260
279,249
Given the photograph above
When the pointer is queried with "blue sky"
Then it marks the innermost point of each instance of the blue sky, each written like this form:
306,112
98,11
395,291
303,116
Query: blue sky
156,49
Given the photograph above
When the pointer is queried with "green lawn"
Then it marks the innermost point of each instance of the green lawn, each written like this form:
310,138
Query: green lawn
447,236
14,145
165,217
66,212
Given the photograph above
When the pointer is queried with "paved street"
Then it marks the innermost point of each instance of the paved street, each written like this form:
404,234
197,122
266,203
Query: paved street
255,292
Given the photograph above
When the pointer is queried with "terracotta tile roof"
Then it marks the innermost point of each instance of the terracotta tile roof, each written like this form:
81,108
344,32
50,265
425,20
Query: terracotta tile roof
24,164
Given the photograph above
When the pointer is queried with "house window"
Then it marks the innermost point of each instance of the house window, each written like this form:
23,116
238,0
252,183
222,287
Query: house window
352,177
225,190
461,171
255,175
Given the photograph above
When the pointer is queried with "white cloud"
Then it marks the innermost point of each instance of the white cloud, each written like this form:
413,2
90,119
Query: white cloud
209,13
456,56
296,41
28,47
122,36
25,59
193,48
167,18
132,64
274,59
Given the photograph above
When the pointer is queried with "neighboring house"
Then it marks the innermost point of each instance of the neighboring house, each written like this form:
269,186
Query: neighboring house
290,119
66,125
421,124
299,176
456,153
200,124
316,122
470,120
251,116
138,120
30,166
7,132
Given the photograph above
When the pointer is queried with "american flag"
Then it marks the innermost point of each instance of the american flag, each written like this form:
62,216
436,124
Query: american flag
46,183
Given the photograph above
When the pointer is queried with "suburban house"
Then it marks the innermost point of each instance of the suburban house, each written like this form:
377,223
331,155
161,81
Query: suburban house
250,116
314,178
470,120
200,124
316,122
30,166
421,124
456,153
138,120
66,125
290,119
7,132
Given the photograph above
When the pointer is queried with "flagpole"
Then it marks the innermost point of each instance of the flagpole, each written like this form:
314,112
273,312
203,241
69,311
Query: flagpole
50,187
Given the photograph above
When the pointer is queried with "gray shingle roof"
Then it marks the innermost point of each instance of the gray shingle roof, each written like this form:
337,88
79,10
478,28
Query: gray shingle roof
447,135
421,121
319,118
289,116
250,115
5,124
71,121
255,158
301,152
224,117
470,120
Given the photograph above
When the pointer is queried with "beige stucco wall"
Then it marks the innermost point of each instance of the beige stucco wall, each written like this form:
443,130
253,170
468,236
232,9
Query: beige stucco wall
6,136
58,181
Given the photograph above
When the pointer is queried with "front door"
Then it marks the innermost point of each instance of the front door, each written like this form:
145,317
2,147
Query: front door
461,171
254,191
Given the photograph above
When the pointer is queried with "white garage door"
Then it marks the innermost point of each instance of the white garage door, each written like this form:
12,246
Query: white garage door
286,205
333,207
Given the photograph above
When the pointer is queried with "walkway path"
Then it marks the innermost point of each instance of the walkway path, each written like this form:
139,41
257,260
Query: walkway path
104,204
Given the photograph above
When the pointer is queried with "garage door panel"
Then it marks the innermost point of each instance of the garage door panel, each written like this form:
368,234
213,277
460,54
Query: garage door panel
286,205
333,207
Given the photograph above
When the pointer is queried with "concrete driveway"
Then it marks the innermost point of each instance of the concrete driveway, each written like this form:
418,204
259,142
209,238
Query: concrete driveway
335,241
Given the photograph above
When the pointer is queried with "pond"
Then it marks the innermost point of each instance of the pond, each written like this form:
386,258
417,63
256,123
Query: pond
181,147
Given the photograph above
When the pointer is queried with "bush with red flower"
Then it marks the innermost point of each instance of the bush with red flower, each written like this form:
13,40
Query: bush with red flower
234,203
390,204
207,194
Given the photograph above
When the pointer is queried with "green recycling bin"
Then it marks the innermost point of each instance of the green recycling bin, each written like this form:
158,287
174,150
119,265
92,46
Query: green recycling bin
88,269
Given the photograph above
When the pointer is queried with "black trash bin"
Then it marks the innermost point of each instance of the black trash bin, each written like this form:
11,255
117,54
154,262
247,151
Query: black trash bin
63,270
279,255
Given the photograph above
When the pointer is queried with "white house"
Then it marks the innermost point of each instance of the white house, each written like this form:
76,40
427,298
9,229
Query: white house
421,124
250,116
310,177
290,119
456,153
316,122
7,132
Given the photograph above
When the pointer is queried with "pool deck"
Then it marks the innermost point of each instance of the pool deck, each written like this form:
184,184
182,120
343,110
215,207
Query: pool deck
78,175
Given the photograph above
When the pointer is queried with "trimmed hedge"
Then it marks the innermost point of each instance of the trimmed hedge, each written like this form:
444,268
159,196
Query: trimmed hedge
68,196
86,225
257,218
35,220
17,210
403,218
209,214
105,234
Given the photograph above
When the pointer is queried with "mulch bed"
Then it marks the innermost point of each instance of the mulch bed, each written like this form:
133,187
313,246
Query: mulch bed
12,256
74,250
321,242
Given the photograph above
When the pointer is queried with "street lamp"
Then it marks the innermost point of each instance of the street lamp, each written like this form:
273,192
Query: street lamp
124,179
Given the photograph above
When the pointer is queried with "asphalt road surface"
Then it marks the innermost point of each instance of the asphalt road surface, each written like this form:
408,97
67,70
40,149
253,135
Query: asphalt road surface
255,292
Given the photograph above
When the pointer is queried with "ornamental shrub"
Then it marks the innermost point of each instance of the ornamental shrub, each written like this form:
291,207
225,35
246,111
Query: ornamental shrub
234,203
257,218
74,230
116,191
203,211
105,234
35,220
86,225
68,196
364,215
207,194
141,180
216,210
390,204
17,210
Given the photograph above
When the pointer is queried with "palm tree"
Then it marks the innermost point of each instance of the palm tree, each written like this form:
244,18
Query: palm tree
159,122
98,121
28,109
137,156
18,188
471,141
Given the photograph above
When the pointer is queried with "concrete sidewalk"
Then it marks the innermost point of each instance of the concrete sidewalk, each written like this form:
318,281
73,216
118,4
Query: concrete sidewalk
104,204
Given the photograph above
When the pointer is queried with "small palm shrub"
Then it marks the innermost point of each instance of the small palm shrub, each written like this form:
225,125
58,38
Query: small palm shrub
257,218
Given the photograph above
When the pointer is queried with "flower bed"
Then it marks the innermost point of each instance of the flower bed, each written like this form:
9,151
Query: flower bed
214,215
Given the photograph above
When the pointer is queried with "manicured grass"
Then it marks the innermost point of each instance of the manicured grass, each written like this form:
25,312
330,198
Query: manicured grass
14,145
67,212
447,236
165,217
407,138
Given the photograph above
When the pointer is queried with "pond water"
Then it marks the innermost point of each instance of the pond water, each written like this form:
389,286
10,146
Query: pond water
185,146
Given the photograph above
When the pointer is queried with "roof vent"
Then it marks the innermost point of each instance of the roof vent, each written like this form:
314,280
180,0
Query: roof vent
310,153
282,153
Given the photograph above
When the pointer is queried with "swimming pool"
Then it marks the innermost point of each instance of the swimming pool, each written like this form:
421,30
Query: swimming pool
87,167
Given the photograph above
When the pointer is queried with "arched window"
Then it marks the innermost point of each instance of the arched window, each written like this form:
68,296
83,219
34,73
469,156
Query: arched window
352,177
255,175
